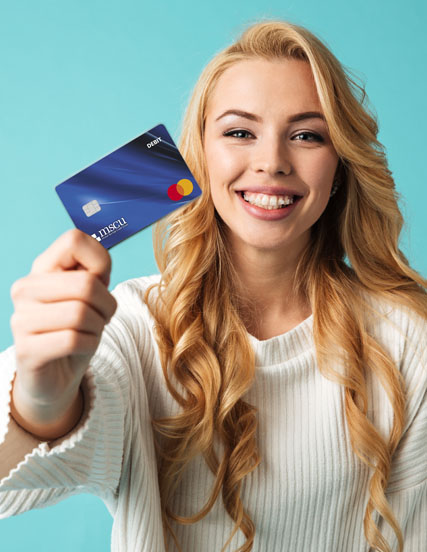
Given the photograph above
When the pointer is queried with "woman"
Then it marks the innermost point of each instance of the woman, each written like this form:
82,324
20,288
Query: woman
279,355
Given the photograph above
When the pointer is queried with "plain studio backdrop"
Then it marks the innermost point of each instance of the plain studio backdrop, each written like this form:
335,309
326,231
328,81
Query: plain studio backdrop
79,79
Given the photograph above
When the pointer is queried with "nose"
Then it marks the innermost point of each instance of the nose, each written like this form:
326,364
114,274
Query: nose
270,156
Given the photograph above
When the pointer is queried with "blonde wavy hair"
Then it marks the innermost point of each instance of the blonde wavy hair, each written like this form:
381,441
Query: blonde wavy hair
207,360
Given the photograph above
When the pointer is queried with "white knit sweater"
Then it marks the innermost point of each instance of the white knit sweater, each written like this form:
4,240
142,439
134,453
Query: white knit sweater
310,491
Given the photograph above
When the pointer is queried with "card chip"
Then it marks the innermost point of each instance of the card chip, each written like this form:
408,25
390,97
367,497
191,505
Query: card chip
91,208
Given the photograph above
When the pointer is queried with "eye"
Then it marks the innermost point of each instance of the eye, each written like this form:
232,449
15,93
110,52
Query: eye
307,136
314,137
232,133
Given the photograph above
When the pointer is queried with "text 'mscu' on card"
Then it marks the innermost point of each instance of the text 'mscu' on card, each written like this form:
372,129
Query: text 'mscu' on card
130,188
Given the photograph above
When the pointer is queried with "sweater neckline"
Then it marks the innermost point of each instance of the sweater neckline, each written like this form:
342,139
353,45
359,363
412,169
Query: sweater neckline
284,347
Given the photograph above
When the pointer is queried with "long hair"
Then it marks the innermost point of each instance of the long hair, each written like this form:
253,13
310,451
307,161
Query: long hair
207,360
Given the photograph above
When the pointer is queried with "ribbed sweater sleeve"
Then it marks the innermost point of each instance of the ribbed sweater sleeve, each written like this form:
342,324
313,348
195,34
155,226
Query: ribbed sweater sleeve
89,459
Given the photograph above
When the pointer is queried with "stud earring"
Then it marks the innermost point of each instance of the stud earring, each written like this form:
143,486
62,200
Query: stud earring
334,188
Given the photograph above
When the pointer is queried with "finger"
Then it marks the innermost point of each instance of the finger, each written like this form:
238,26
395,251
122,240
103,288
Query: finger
65,286
55,345
72,250
63,315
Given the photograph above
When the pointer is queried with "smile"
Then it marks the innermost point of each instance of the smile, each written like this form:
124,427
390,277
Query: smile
267,201
255,204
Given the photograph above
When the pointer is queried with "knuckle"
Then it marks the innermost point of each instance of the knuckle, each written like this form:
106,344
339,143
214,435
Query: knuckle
73,238
17,288
15,322
36,263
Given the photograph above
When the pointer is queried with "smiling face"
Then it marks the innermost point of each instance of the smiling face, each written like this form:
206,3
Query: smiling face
268,151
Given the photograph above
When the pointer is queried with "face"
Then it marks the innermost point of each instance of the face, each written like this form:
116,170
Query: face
270,156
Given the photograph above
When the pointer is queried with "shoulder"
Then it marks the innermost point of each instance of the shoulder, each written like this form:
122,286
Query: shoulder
402,332
396,323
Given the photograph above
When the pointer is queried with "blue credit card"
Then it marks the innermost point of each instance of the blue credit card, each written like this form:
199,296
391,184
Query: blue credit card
130,188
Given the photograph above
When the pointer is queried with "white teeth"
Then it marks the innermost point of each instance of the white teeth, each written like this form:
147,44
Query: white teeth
267,201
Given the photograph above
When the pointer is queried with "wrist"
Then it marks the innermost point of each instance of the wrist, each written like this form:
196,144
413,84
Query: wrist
51,421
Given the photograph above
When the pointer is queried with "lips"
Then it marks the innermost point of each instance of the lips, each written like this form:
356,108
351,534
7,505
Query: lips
267,214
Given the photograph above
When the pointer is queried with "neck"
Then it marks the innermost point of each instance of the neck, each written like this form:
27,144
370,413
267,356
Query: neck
270,305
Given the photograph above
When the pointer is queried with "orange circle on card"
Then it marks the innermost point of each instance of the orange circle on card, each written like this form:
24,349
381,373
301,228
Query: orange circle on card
184,186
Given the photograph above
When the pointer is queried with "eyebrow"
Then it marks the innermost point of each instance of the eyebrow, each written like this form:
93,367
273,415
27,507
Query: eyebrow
292,119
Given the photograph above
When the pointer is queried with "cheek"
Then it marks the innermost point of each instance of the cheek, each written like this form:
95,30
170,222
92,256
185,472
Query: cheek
320,173
221,161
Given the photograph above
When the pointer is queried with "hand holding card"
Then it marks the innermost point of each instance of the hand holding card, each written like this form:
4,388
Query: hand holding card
130,188
61,308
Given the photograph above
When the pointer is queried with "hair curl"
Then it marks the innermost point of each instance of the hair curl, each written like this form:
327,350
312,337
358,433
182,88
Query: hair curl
353,251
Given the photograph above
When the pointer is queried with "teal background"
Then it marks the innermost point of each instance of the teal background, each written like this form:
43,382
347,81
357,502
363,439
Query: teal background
79,79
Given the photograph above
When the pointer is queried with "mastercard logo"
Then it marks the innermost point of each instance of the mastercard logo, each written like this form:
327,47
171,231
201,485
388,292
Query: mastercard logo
182,188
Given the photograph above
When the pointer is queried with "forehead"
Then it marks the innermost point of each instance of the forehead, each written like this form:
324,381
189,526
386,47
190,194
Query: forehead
259,84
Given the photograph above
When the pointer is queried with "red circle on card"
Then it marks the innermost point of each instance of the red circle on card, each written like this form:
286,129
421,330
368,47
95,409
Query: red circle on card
173,193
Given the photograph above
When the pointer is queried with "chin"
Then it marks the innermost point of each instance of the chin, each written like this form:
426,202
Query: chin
263,244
